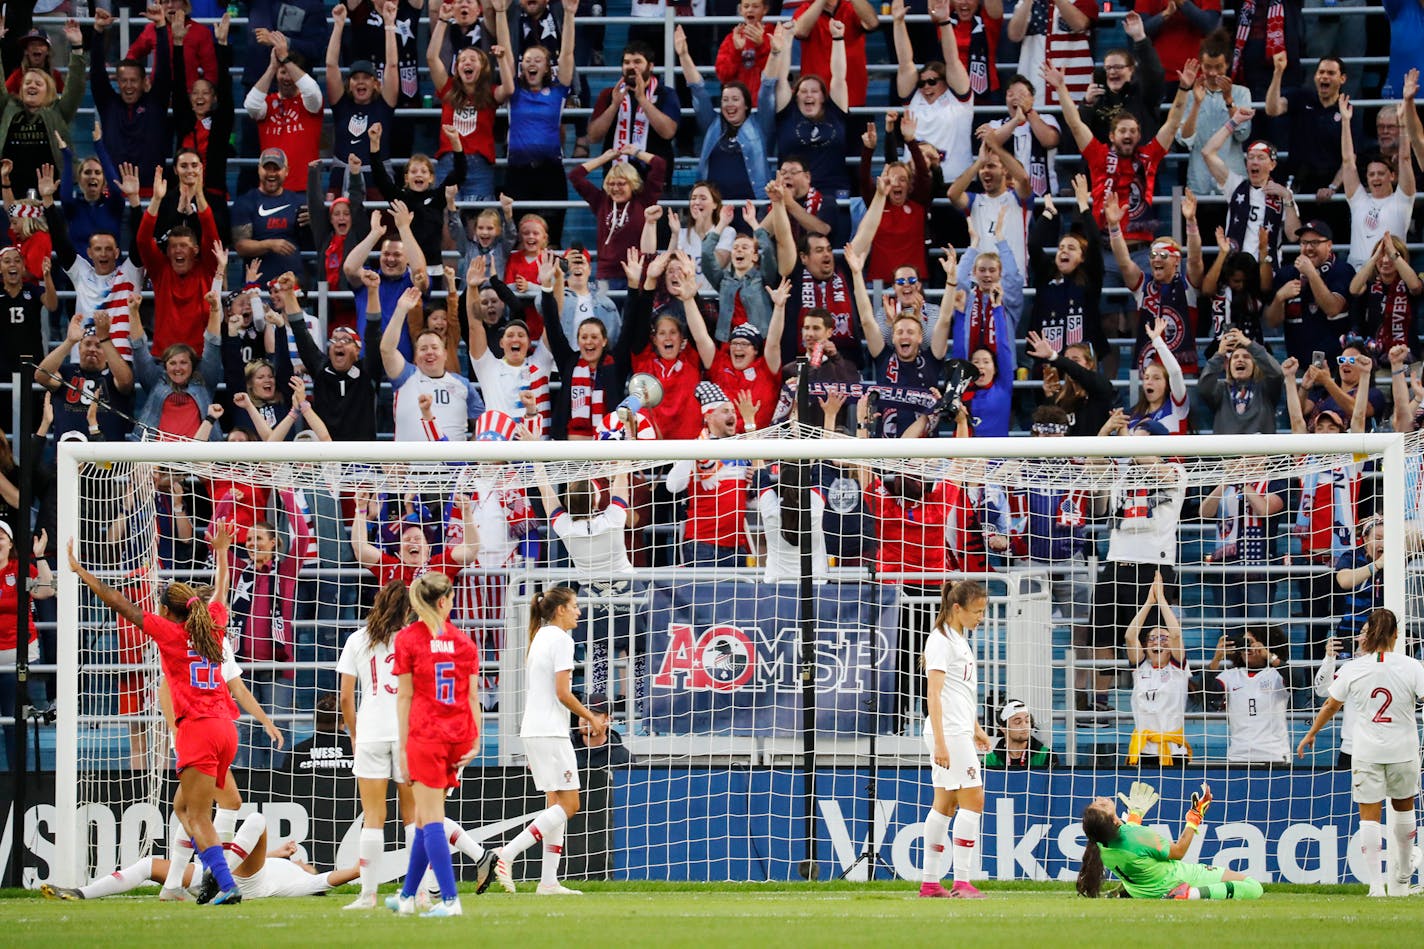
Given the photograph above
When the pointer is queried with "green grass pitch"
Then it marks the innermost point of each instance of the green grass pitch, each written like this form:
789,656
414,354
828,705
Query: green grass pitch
765,916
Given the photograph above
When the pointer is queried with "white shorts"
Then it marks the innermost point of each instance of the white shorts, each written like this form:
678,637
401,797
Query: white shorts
1372,783
552,762
963,770
279,878
379,760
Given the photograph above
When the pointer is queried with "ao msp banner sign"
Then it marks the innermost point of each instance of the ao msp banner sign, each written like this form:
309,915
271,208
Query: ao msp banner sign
725,657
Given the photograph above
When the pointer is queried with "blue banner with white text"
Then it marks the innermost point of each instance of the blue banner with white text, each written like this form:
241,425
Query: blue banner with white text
725,658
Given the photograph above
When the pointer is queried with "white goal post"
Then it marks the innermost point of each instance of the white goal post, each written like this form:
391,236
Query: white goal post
70,829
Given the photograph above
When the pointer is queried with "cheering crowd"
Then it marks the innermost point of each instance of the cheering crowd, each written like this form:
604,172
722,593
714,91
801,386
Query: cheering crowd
194,252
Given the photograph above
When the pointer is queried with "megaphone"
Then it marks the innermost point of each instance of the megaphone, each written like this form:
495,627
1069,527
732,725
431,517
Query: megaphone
644,392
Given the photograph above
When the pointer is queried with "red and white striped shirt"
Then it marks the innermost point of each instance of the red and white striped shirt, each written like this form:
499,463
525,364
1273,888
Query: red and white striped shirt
501,384
96,293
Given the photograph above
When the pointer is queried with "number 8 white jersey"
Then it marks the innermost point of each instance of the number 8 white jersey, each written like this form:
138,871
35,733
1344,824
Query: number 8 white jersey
376,685
1383,689
948,651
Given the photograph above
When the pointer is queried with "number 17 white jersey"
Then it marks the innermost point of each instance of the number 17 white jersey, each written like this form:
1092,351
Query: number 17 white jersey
948,651
376,685
1383,688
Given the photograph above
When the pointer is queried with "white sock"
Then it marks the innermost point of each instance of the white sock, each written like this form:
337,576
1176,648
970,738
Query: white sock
546,823
1402,829
462,841
966,838
120,881
553,853
936,836
1370,841
180,854
225,823
1193,893
245,840
373,843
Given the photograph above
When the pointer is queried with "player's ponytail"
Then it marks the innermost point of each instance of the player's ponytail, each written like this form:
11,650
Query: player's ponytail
189,607
1380,632
425,596
962,594
388,613
1100,828
542,607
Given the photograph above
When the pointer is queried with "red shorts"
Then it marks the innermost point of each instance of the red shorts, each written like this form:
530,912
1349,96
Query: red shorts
207,744
432,763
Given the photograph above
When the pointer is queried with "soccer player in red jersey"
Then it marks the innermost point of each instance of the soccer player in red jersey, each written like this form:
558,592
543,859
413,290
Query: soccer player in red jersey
437,701
189,636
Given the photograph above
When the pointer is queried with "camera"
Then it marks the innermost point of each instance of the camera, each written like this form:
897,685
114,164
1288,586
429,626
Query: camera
959,375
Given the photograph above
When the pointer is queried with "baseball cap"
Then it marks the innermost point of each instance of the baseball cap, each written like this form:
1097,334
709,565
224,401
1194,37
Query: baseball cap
746,332
273,156
1330,413
599,704
35,36
1319,227
1151,427
1011,708
363,66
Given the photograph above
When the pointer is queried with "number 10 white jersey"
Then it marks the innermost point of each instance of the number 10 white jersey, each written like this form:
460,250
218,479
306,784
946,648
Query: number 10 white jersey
1383,689
376,685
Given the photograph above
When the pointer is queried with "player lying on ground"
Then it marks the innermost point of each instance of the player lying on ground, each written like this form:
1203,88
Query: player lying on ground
1148,867
260,874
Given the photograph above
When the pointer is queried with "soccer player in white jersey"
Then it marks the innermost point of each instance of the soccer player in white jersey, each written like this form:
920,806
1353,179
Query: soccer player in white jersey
1383,687
545,733
1256,699
1159,681
261,874
454,399
367,668
954,738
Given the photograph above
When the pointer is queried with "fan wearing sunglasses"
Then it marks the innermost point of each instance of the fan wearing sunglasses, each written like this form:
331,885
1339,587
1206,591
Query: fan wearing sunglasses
939,93
1321,392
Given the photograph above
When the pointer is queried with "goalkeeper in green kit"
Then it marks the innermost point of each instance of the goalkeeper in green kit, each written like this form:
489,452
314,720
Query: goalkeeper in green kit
1148,867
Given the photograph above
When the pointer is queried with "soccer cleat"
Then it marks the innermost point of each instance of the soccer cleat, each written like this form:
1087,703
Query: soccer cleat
60,892
1401,888
207,888
174,895
556,889
933,891
502,874
401,905
484,871
228,897
964,890
364,901
444,908
1180,892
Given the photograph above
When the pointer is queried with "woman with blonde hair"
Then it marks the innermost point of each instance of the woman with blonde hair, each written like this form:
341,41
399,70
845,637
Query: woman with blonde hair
619,205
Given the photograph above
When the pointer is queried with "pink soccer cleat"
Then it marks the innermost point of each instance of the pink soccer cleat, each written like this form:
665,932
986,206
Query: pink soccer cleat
1180,892
933,891
964,890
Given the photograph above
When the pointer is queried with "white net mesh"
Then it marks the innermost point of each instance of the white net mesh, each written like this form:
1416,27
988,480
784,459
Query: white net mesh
704,645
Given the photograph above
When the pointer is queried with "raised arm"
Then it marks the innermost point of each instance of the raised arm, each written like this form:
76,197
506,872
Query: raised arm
110,597
1277,104
1113,214
906,74
366,553
1168,131
874,337
1349,173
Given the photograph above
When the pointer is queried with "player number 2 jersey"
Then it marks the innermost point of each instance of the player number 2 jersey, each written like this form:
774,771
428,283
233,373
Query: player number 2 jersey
1383,688
373,667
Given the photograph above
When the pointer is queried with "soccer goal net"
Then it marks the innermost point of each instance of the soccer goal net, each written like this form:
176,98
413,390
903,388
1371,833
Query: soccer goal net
754,613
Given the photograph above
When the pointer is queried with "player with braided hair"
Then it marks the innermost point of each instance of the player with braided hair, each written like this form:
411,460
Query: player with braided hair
188,633
1148,867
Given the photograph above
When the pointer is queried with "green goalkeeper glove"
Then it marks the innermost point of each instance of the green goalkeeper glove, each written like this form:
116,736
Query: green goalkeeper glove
1201,800
1140,798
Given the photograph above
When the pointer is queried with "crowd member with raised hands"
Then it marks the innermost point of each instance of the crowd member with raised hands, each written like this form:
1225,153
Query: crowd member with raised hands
1160,681
1406,392
1320,390
1166,293
337,227
1385,295
402,266
413,555
1384,203
32,115
1234,286
743,281
361,101
135,115
289,118
534,169
1132,85
519,368
98,377
593,371
619,205
1035,137
421,192
182,273
1069,283
1072,383
1315,114
1000,211
468,98
903,358
744,51
1257,203
638,110
1241,385
94,200
457,401
893,228
1215,97
302,410
938,94
177,17
822,24
733,151
1164,399
810,117
1125,166
659,345
203,116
